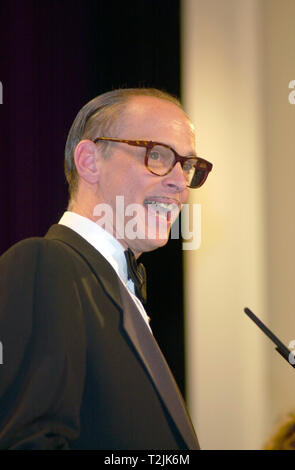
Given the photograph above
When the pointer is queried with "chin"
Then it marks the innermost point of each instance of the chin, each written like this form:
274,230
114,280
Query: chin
153,244
149,240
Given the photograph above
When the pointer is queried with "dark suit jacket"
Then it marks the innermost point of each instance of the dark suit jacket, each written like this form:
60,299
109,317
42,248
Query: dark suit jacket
80,368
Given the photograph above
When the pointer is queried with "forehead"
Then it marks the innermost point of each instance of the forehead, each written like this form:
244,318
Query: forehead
151,118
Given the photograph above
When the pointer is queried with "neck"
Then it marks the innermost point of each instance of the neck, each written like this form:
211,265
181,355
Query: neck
84,211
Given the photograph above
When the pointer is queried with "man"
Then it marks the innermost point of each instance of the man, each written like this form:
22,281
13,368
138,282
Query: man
81,368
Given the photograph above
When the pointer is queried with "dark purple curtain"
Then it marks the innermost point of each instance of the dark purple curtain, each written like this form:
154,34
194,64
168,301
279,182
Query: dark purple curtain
44,78
54,57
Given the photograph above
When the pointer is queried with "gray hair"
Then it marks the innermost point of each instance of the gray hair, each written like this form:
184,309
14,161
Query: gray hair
97,118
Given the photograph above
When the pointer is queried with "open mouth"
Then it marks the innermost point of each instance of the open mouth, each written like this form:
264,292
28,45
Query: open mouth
165,210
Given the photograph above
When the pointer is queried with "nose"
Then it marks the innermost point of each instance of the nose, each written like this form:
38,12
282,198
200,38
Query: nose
175,180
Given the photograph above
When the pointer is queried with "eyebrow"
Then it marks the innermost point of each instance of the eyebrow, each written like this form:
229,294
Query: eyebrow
142,143
192,154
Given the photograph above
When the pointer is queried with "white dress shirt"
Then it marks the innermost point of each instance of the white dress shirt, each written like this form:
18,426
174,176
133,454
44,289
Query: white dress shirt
108,247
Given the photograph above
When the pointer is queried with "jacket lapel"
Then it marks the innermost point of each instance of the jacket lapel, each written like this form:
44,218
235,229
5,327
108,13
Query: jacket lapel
99,265
157,368
136,329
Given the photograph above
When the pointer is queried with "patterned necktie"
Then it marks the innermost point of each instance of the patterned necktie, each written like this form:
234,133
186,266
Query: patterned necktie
136,272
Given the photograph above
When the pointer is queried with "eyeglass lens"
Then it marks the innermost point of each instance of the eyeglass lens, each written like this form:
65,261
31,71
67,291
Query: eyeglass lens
161,160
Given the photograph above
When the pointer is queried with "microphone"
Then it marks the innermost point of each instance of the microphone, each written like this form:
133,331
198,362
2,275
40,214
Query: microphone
280,347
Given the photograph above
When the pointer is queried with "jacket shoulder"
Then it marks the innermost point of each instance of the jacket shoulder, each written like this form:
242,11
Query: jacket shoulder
32,249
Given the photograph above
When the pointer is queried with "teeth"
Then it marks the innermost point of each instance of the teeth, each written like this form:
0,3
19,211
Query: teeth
160,205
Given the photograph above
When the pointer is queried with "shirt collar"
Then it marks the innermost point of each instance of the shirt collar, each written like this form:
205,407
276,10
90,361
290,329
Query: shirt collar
103,241
109,248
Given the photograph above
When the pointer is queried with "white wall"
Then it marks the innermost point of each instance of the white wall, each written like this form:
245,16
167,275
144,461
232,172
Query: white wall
238,58
279,70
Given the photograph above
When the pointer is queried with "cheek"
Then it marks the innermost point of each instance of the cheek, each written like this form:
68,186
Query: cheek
127,187
129,180
133,193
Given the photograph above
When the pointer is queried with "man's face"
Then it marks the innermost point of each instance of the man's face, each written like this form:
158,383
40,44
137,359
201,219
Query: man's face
123,173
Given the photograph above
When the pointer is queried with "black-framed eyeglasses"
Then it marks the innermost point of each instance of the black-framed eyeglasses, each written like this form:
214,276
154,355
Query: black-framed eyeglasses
160,159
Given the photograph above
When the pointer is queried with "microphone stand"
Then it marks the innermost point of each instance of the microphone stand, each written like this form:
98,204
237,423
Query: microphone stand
280,347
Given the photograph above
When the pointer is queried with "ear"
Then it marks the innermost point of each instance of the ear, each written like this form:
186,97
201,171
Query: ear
86,161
